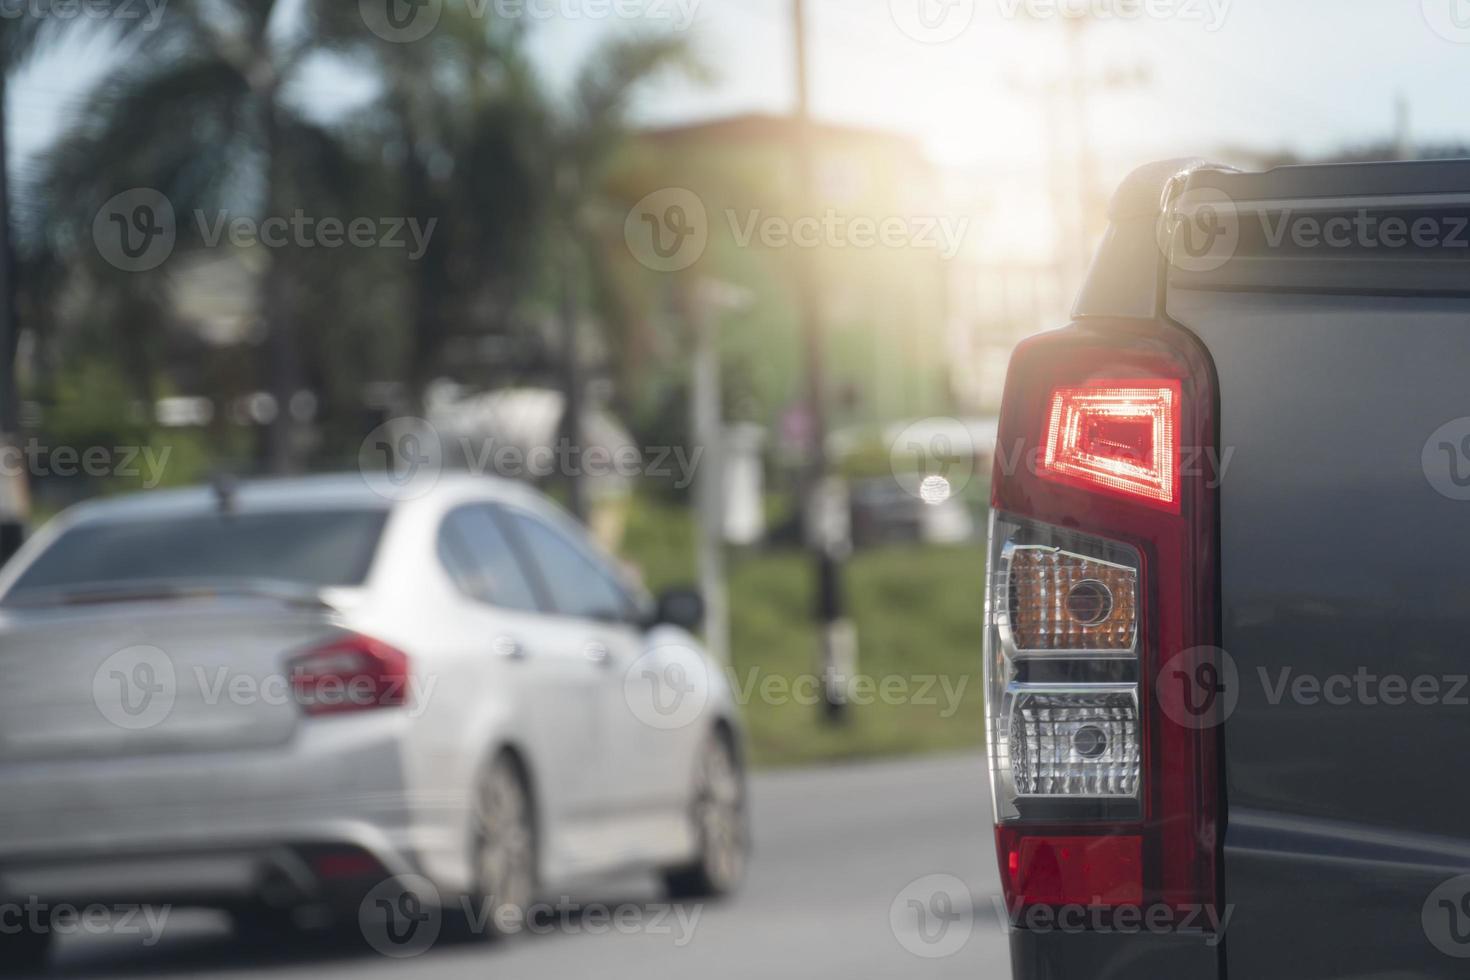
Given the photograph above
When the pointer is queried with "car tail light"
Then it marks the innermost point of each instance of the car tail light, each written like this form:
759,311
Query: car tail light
334,864
1102,569
351,673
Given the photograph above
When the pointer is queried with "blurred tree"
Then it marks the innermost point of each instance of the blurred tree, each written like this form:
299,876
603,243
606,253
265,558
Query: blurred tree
198,108
213,110
586,132
457,129
516,174
22,38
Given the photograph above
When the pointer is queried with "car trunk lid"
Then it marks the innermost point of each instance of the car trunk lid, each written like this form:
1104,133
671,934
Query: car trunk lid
188,673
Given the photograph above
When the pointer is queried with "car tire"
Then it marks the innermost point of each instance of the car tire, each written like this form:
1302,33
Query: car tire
25,951
503,851
717,811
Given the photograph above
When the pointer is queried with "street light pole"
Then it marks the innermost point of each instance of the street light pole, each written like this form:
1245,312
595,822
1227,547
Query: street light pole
710,300
838,639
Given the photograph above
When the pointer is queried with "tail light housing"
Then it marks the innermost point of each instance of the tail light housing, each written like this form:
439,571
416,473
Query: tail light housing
350,673
1102,570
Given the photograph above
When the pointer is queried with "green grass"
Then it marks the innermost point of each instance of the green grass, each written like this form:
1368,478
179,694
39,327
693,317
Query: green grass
918,612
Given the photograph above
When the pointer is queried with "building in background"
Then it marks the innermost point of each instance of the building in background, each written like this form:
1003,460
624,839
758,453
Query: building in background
884,307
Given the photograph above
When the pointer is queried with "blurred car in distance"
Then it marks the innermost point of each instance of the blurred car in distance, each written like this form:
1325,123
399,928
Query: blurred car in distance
273,698
884,512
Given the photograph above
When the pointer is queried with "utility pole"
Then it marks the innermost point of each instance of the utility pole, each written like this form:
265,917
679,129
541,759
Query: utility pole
1075,90
14,503
571,366
820,491
1403,140
9,403
1086,178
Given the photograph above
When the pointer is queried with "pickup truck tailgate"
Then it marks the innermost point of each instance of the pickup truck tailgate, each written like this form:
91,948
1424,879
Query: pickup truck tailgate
1345,610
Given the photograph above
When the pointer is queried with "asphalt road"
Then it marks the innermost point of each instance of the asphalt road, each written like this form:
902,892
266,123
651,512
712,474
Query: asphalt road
861,871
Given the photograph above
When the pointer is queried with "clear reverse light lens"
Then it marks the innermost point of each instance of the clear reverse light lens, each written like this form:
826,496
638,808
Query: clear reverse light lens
1075,743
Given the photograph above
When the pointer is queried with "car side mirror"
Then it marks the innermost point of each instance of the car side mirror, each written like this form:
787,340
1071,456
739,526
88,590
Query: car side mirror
680,607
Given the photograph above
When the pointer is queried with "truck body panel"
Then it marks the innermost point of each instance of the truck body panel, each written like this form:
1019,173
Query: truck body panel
1343,477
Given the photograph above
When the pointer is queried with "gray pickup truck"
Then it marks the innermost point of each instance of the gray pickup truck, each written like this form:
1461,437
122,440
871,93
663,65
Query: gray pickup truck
1228,607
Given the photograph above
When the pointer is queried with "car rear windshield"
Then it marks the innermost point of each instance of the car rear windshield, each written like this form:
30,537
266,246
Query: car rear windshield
310,548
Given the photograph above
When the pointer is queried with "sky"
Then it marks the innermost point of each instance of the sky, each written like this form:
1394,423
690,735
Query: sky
968,77
1275,74
1307,75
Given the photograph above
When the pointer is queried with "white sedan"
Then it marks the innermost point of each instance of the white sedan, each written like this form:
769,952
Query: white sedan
274,698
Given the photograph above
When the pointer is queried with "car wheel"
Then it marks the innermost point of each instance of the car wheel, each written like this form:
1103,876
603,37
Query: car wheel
718,815
24,951
504,851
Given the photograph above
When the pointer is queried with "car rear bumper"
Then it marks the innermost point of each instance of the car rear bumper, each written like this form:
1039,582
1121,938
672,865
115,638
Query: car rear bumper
210,827
222,876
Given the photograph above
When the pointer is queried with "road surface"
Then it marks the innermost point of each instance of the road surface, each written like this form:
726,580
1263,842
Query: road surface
860,871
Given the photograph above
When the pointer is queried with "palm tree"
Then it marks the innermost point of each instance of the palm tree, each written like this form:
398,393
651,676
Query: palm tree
16,44
585,137
520,178
463,118
461,131
22,39
200,109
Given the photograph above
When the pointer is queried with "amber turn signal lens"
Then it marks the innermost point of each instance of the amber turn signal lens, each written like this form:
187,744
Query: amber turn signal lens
1061,601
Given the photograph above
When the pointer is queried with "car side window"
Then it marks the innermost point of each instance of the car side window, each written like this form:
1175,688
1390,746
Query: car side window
481,560
578,583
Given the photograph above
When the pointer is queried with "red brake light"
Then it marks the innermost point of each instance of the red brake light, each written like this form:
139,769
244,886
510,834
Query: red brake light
1090,871
1117,436
337,865
352,673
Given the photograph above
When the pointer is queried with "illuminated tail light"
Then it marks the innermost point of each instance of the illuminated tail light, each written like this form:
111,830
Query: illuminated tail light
1118,437
1102,569
352,673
